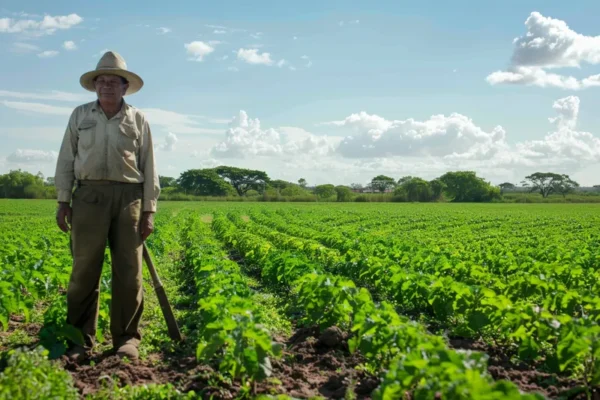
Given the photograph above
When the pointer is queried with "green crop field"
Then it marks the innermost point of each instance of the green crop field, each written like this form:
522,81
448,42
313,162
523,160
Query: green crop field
382,301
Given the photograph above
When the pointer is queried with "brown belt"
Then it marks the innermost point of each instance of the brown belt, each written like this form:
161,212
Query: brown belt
103,182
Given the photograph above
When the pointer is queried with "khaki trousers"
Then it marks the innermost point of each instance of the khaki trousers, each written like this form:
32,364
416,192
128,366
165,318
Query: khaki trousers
106,213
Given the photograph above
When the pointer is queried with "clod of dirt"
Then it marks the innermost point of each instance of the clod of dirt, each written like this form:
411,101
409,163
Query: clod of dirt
332,336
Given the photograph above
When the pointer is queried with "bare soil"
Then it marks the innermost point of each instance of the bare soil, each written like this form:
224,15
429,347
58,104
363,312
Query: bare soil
529,379
312,365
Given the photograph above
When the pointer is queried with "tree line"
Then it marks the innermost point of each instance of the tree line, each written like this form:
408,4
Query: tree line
227,181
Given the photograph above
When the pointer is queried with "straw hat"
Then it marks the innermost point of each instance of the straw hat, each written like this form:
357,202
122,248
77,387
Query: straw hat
112,63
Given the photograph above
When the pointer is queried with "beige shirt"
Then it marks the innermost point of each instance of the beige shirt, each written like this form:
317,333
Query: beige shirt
119,149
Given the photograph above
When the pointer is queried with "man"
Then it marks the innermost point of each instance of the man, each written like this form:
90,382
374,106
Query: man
107,153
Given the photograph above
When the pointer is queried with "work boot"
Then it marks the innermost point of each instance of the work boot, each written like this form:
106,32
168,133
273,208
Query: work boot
78,353
128,350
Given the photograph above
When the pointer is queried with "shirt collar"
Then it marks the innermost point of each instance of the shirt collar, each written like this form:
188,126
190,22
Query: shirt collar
124,108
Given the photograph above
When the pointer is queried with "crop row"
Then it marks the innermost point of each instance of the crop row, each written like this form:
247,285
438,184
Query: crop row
543,317
413,360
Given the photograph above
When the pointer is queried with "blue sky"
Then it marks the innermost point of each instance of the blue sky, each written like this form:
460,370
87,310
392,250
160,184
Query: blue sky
343,90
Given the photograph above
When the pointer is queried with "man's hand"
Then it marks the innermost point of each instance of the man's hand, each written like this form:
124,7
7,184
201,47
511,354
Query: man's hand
147,224
64,212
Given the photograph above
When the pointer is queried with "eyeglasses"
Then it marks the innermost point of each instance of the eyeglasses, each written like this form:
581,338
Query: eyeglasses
112,84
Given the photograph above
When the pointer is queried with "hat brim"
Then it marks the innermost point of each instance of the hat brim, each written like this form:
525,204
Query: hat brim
135,81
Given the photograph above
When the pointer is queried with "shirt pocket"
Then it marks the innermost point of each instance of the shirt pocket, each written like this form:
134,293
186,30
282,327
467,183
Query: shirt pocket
129,136
87,134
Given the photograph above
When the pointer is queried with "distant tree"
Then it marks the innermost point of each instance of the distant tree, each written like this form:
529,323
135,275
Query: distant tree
166,181
506,185
357,186
547,183
293,190
344,193
437,189
565,186
467,186
302,182
49,181
417,189
204,182
381,183
404,179
597,187
325,191
285,188
14,183
243,179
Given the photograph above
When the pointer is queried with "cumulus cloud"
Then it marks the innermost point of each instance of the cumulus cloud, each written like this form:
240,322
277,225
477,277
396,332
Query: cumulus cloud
251,56
24,156
565,145
163,30
245,137
457,142
198,50
568,111
549,44
453,135
69,45
169,143
48,54
47,26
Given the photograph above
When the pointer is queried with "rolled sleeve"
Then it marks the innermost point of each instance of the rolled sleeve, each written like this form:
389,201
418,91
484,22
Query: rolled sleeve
64,176
148,167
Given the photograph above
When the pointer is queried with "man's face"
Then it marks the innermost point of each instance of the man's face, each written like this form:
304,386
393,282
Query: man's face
110,88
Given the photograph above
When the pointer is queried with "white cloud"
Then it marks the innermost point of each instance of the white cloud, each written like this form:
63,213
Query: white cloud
549,44
163,30
245,137
69,45
181,124
568,111
100,53
353,22
48,54
19,47
251,56
169,143
198,50
257,35
52,95
455,135
175,122
565,145
37,108
281,63
295,37
23,14
47,26
534,76
24,156
455,141
233,69
308,61
219,31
